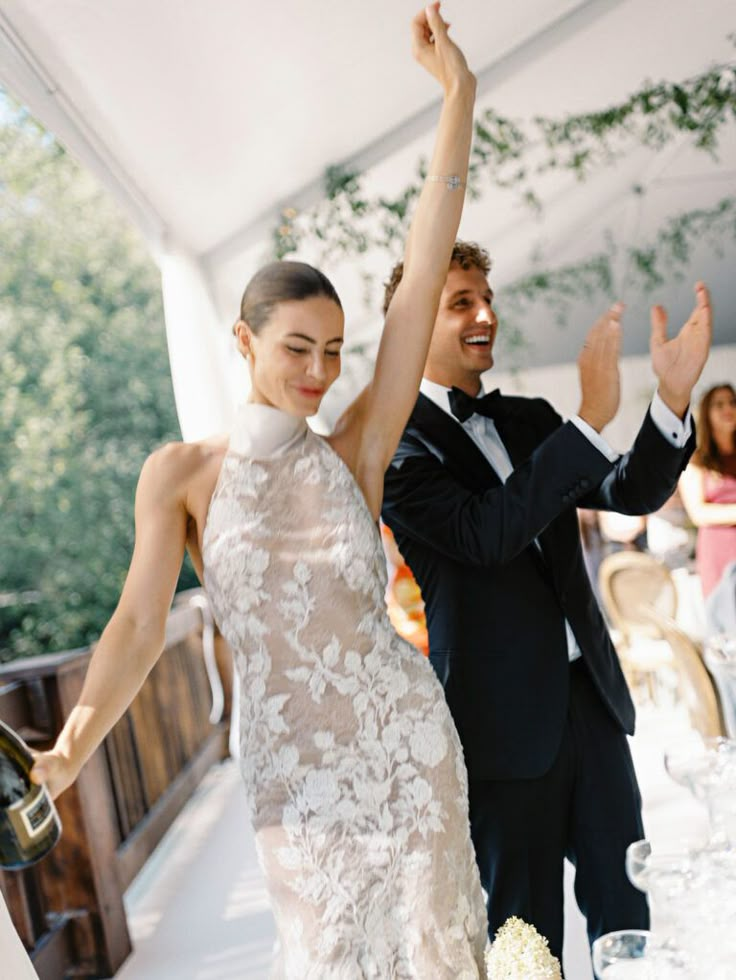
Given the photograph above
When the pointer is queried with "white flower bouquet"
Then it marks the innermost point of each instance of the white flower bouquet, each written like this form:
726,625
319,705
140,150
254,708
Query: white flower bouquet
520,953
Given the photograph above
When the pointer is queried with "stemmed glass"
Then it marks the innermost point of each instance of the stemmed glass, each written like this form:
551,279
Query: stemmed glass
635,954
692,890
644,864
667,876
691,886
708,769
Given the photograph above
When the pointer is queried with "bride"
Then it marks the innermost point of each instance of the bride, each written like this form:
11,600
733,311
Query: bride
352,766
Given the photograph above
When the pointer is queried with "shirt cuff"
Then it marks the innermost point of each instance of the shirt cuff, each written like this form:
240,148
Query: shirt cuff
675,430
596,438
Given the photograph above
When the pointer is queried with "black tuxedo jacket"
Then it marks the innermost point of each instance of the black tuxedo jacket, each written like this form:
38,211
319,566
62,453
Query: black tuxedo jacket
496,605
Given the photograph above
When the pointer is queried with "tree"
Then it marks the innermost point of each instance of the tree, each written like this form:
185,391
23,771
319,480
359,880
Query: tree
85,392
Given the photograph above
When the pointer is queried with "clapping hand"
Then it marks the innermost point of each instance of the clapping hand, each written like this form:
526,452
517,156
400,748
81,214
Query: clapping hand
678,362
598,365
435,52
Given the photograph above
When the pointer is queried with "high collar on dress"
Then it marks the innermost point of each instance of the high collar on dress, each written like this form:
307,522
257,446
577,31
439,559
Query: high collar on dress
261,431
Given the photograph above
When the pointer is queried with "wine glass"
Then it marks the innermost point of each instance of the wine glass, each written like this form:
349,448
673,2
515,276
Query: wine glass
690,763
636,954
666,875
707,767
645,861
692,892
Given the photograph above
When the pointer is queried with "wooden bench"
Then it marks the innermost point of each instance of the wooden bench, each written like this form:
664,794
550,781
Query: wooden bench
68,909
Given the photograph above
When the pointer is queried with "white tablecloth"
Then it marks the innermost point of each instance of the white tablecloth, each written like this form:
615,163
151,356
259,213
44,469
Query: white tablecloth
14,962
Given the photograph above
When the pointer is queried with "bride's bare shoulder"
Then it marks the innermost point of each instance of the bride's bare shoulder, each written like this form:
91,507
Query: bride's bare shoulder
175,467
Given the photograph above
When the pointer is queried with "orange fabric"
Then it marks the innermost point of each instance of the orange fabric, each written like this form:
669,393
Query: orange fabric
404,598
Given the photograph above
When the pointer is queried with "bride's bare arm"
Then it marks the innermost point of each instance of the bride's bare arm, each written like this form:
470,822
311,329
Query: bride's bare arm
383,409
134,638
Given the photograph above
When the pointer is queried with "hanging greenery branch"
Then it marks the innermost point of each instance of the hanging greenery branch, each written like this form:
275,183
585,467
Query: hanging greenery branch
609,274
559,287
646,268
346,222
671,250
349,221
652,117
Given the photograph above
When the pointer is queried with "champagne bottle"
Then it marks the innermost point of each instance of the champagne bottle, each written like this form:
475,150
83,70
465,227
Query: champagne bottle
29,823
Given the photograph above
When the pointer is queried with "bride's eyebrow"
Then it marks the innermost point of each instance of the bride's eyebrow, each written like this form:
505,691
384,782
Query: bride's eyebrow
311,340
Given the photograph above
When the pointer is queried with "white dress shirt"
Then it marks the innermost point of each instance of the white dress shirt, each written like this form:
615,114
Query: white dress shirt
484,434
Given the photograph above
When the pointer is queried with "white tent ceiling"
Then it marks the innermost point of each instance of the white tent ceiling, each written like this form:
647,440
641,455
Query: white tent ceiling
205,118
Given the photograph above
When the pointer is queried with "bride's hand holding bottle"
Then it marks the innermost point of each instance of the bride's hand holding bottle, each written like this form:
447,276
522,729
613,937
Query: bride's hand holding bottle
54,770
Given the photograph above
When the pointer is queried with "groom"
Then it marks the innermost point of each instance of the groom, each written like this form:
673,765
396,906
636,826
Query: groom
481,496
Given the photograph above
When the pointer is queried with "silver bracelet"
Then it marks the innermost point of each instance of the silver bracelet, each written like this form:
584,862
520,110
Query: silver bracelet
452,182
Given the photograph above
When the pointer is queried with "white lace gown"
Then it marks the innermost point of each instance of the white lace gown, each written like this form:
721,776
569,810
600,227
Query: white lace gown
351,762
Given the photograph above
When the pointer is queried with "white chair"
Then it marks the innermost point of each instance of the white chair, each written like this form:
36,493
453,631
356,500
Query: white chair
632,585
696,687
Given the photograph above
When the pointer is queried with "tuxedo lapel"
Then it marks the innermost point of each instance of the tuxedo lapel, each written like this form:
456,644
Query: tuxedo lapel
462,456
457,448
521,438
517,435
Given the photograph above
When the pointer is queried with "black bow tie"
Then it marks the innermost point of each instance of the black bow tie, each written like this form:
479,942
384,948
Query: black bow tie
463,406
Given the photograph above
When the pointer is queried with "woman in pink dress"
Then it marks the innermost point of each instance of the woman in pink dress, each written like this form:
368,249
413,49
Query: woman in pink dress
708,486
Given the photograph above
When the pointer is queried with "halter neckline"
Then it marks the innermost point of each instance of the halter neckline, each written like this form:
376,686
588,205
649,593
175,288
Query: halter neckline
262,431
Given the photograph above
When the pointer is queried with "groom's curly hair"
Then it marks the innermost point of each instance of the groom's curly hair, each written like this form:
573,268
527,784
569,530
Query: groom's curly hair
468,255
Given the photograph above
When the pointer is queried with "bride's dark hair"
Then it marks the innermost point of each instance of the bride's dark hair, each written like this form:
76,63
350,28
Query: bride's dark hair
279,282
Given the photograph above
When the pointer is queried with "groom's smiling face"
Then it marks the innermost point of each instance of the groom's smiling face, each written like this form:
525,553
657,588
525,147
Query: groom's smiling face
464,331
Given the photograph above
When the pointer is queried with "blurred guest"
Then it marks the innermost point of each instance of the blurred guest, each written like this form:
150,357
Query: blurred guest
593,544
622,532
708,485
670,533
720,609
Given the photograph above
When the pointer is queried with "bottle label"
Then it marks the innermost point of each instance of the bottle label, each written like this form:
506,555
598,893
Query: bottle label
32,815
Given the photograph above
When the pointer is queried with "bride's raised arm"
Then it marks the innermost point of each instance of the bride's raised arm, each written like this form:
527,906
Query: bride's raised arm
382,410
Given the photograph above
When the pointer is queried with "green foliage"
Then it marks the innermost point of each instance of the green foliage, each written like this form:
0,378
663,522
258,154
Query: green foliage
509,154
676,239
653,117
559,288
346,222
85,392
647,265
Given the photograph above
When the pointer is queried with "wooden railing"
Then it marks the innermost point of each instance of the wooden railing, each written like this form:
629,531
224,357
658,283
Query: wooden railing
68,909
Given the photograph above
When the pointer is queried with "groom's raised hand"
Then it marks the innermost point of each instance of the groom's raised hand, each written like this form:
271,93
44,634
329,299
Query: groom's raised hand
678,362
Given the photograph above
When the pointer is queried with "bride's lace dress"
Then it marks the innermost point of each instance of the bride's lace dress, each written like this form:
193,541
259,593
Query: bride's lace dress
351,762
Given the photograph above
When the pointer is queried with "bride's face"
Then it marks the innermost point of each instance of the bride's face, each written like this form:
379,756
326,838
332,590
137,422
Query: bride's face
295,356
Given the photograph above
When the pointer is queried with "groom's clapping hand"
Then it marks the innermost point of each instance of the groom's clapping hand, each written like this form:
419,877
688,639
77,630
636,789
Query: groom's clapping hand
678,362
599,370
